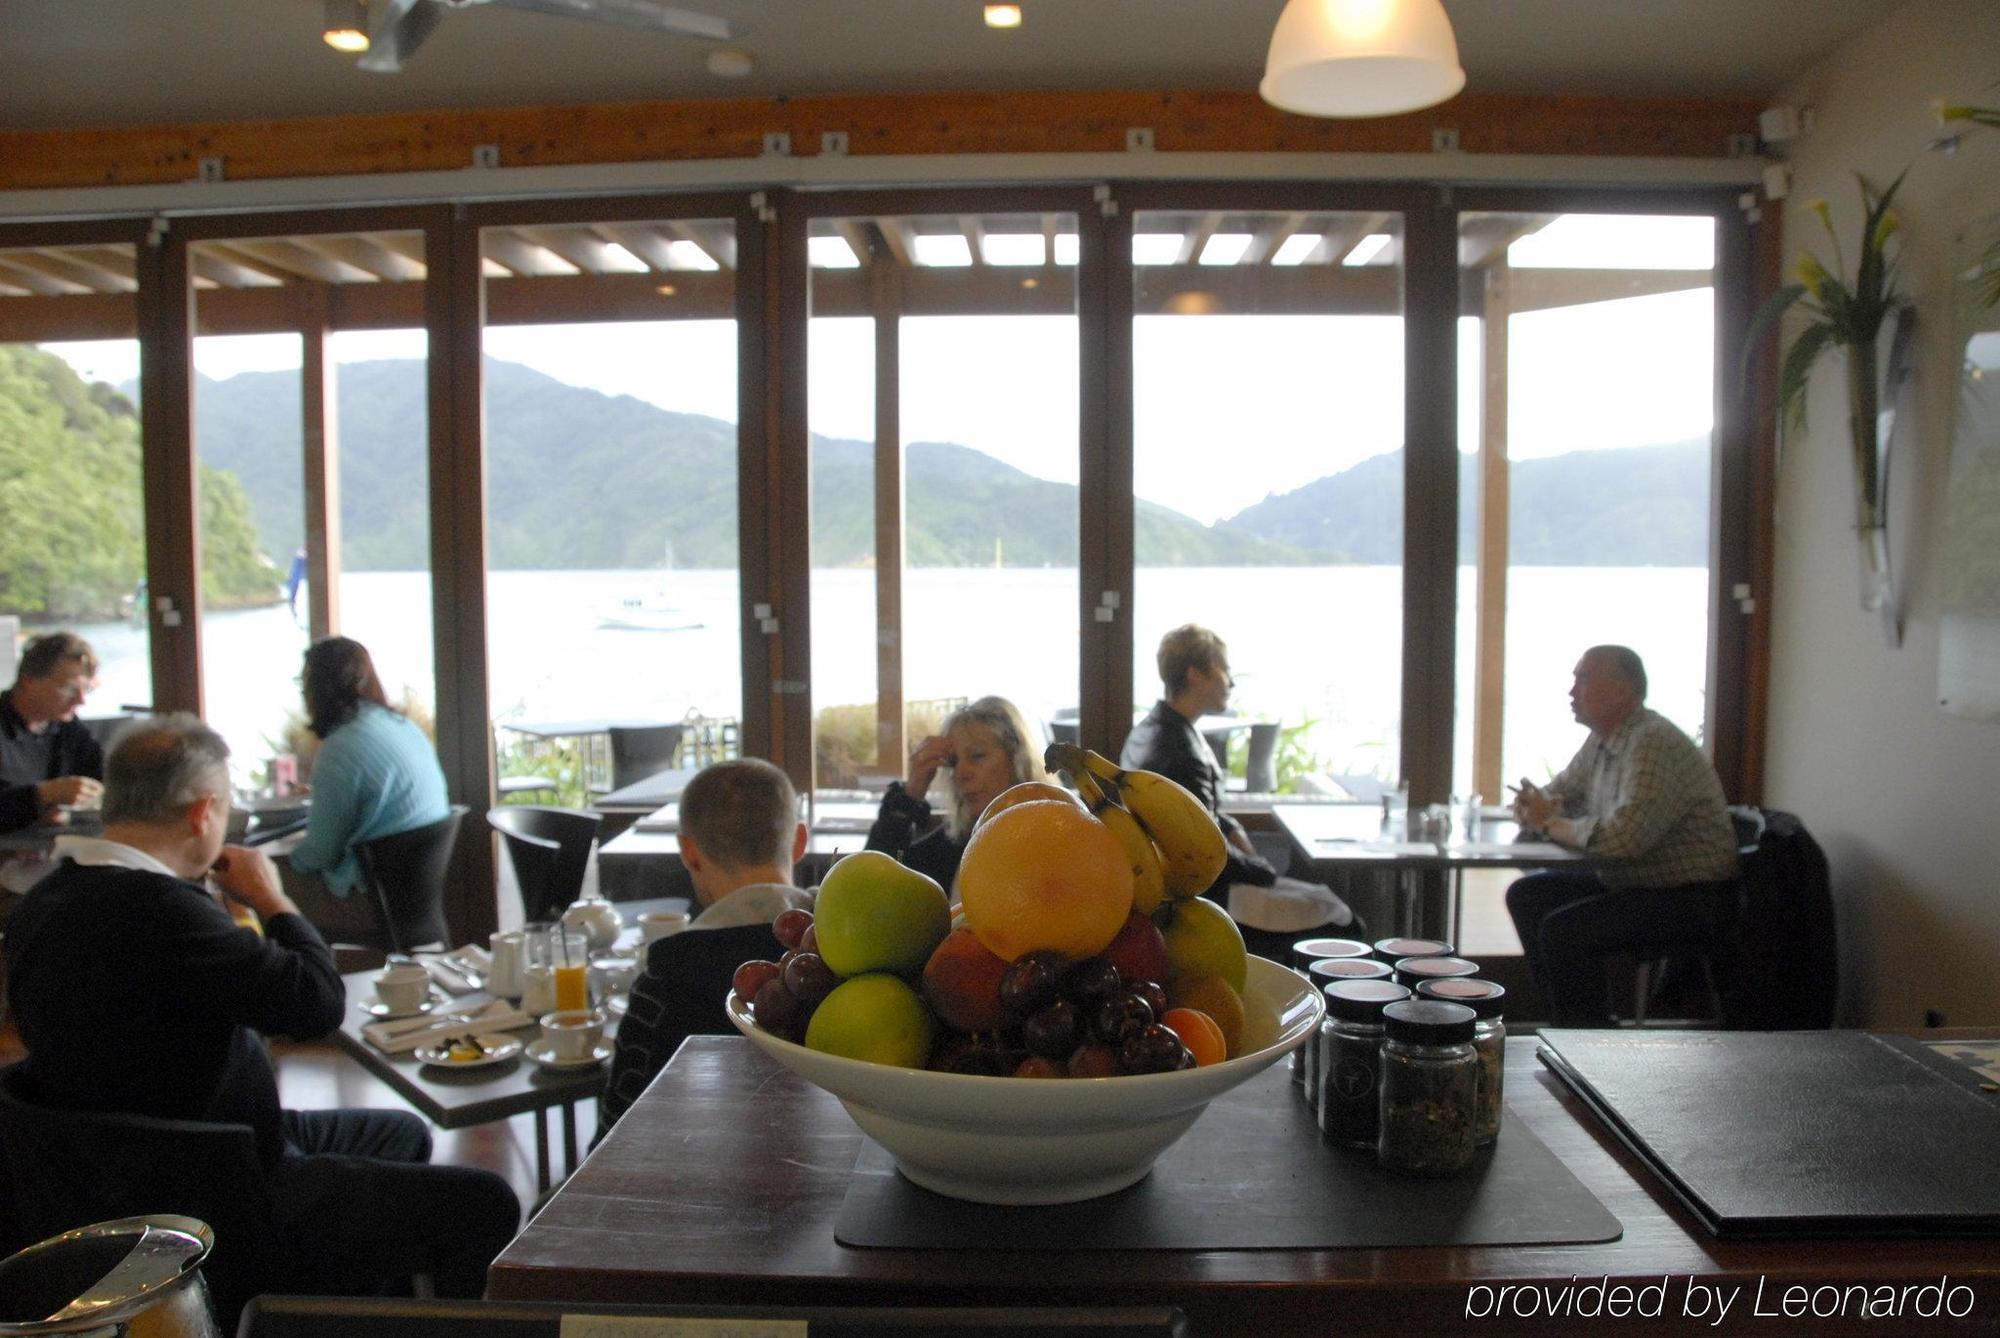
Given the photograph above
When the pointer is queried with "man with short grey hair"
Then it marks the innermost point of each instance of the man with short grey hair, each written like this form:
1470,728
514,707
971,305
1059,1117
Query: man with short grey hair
136,992
1643,802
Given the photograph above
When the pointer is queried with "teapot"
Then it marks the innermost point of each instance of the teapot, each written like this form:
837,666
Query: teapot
597,919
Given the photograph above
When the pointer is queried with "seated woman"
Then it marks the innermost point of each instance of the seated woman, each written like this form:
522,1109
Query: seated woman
375,774
988,748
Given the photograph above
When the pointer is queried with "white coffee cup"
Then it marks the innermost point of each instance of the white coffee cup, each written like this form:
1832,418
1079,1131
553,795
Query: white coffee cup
538,989
403,989
503,977
573,1034
659,924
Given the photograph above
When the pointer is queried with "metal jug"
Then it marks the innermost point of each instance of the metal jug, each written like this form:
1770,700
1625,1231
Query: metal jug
136,1277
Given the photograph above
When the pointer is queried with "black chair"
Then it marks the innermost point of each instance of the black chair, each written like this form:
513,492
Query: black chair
639,751
337,1317
65,1169
1218,747
405,874
550,848
1065,731
1710,951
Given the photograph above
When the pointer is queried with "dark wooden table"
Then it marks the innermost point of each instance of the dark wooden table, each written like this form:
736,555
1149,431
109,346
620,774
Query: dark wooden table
645,860
456,1100
723,1182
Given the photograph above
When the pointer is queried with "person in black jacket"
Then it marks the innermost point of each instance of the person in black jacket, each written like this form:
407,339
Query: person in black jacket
1271,909
48,759
984,748
136,992
740,835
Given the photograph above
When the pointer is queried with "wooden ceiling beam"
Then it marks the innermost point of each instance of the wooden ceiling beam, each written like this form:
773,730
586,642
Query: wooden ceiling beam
580,247
1484,241
280,258
60,265
895,236
638,238
1196,236
1266,238
16,271
508,247
865,240
370,256
718,245
974,229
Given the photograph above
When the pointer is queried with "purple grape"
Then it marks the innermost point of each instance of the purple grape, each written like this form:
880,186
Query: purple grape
1120,1016
1092,980
1155,997
1053,1032
809,977
775,1008
790,926
1153,1049
1032,983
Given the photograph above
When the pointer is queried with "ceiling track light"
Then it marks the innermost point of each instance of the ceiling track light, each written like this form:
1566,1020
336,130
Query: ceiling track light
1361,58
346,26
1003,16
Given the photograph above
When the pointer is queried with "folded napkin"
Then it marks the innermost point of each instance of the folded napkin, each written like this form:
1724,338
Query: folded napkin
460,971
407,1033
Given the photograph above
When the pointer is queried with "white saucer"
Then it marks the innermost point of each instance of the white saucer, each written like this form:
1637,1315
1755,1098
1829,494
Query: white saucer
499,1049
377,1008
543,1054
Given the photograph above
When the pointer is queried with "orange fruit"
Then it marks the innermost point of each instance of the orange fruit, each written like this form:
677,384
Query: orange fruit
1198,1033
1023,793
1044,875
1213,996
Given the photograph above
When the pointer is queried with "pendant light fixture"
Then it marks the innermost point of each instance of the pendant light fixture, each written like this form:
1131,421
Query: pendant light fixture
1361,58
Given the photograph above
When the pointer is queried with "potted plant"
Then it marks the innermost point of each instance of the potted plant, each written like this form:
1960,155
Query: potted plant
1848,315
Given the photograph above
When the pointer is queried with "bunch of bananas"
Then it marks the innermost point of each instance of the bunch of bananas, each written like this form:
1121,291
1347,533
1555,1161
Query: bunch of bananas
1176,849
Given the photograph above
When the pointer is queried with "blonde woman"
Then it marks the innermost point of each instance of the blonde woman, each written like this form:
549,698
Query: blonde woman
984,748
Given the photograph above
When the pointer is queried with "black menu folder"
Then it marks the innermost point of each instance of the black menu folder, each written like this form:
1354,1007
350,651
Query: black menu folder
1797,1133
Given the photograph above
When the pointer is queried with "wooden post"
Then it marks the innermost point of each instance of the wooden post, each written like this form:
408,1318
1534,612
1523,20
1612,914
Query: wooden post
885,289
1489,689
454,314
1430,495
789,523
165,306
1105,542
320,421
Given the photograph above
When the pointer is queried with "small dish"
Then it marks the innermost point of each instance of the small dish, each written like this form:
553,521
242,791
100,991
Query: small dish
544,1054
496,1048
376,1008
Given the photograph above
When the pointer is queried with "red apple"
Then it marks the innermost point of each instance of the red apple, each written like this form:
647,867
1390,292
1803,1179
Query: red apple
1139,952
962,982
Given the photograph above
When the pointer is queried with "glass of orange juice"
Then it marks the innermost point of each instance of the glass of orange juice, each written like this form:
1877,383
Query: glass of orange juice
570,954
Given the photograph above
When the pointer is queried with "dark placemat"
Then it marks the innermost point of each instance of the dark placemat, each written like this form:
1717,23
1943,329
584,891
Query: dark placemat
1797,1133
1252,1174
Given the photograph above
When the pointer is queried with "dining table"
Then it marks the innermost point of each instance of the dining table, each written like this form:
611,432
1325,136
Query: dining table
726,1182
645,858
1423,867
460,1098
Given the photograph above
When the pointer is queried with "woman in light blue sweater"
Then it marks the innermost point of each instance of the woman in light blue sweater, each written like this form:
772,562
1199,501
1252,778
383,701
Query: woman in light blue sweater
375,774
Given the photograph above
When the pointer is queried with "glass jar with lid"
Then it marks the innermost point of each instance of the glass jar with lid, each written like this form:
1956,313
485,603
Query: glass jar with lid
1488,1002
1413,971
1430,1088
1321,974
1393,950
1305,952
1349,1068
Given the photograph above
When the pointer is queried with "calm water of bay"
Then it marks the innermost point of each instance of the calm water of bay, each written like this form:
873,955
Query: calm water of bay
1306,643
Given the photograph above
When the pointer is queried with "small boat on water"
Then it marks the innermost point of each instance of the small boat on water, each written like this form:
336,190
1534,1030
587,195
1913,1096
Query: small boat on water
649,613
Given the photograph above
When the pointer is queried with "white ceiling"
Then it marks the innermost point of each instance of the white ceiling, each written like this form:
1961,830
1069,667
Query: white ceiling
123,62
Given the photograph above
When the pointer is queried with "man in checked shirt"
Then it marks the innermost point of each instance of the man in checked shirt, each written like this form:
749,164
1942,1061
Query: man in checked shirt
1643,803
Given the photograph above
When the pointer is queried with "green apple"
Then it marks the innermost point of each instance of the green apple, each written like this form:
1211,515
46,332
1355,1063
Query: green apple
876,1017
1204,941
874,914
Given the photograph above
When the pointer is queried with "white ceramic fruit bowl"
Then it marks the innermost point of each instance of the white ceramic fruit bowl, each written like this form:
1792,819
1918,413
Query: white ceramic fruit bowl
1049,1140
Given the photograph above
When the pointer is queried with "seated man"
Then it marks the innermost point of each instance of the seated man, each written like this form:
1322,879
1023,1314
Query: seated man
136,992
1643,802
47,757
740,835
1272,910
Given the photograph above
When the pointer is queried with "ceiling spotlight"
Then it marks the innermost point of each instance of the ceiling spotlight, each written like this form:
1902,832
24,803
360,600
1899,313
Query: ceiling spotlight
729,62
1003,16
346,26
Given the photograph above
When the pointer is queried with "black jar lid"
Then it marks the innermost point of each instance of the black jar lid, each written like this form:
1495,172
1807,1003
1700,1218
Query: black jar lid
1412,971
1393,950
1363,1000
1346,968
1484,997
1428,1022
1309,950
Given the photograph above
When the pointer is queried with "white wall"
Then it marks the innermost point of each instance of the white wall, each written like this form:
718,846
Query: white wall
1905,799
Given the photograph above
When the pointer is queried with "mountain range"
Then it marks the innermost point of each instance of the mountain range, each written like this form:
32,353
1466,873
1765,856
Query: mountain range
582,480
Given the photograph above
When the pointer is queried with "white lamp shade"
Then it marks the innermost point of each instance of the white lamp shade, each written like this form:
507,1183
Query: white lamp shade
1361,58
